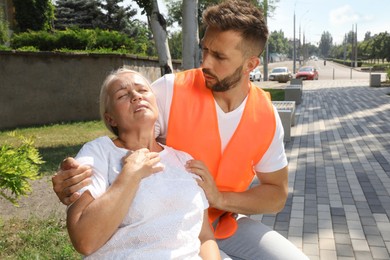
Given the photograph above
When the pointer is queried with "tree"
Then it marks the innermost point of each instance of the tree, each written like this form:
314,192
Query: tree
34,15
367,36
277,43
326,43
4,36
175,44
158,25
85,14
116,17
190,49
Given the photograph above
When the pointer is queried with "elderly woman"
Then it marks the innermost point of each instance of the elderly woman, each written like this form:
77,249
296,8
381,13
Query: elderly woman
142,203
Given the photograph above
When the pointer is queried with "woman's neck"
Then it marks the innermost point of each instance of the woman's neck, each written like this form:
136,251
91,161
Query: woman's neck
134,142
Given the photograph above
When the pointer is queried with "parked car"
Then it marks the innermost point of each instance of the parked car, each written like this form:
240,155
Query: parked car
280,74
307,72
255,75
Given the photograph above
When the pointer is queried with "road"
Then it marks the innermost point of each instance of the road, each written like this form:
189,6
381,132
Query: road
330,71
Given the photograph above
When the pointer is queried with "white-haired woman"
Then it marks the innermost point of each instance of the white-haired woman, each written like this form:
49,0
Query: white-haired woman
142,203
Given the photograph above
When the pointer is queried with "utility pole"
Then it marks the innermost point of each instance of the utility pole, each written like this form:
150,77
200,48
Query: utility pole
352,46
345,47
356,45
294,52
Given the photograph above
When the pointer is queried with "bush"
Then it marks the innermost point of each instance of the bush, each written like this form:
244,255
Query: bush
347,62
79,39
18,165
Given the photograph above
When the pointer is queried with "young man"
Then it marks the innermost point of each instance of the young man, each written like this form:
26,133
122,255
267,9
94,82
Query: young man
232,130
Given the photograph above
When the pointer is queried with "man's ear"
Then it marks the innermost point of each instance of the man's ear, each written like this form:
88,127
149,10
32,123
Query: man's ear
252,63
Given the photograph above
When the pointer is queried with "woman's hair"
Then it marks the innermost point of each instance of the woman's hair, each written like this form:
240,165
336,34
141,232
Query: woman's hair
104,100
243,17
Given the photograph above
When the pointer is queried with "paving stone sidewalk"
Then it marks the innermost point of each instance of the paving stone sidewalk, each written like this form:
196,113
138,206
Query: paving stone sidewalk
339,173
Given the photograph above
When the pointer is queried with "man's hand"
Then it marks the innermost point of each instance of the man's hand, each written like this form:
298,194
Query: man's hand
206,182
70,178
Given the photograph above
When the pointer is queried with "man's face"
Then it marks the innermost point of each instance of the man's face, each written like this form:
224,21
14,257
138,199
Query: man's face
223,60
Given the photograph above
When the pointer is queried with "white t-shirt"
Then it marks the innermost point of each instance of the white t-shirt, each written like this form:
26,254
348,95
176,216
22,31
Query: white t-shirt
274,159
165,218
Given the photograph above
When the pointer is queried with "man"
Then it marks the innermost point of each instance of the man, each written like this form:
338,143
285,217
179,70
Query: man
232,130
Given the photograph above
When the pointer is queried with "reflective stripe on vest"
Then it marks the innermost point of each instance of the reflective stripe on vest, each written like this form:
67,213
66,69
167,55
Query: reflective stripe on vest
193,128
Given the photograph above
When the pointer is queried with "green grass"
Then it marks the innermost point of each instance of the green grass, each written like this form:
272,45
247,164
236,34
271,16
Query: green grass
35,239
55,142
276,94
46,238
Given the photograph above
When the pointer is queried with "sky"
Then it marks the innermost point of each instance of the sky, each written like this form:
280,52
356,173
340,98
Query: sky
334,16
317,16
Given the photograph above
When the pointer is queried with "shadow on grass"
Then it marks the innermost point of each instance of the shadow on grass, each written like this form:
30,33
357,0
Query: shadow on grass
54,155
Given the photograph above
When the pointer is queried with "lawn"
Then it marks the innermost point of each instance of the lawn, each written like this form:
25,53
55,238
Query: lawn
45,238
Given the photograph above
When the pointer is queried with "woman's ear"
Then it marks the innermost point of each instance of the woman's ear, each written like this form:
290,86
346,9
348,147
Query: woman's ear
109,119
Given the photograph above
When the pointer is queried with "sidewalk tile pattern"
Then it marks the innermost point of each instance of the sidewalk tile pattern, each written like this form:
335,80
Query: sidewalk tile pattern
339,173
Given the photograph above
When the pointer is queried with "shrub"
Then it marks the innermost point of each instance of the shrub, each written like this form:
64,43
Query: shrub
80,39
18,165
41,40
388,74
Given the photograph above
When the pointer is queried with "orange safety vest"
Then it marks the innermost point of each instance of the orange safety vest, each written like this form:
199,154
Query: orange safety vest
193,128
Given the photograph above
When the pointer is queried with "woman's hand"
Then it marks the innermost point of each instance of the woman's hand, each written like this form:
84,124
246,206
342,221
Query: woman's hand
142,163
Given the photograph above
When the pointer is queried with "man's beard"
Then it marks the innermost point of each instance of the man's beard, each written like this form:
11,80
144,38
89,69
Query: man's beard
225,84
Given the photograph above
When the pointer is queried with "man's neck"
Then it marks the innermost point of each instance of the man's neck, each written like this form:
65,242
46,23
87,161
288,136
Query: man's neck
231,99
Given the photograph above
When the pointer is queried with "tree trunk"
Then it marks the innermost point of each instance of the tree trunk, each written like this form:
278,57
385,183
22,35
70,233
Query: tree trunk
190,44
158,25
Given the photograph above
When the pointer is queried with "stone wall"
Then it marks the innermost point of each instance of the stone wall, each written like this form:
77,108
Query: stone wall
44,88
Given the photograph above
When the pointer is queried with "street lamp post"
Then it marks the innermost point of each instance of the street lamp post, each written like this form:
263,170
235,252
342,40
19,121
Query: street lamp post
294,52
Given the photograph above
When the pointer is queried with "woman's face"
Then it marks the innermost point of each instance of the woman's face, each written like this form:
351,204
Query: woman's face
131,102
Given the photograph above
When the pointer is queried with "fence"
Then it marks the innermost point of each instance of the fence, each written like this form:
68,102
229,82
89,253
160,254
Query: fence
46,87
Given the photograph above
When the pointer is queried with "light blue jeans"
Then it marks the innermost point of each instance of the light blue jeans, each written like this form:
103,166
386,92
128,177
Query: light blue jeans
256,241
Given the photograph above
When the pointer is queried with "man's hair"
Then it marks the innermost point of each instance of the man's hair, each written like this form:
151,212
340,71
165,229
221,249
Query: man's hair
242,17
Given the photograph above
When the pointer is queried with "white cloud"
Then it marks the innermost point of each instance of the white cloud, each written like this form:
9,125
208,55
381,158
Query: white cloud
343,15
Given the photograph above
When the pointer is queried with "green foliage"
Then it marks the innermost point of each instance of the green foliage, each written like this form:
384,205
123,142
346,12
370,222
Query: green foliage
89,14
18,165
175,44
347,62
277,43
4,48
58,141
372,48
36,238
326,43
77,39
4,37
34,14
388,74
85,14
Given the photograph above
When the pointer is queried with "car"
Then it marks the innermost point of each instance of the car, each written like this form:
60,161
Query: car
255,75
307,72
280,74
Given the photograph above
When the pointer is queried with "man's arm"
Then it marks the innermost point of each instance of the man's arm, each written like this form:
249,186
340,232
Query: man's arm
70,178
268,197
